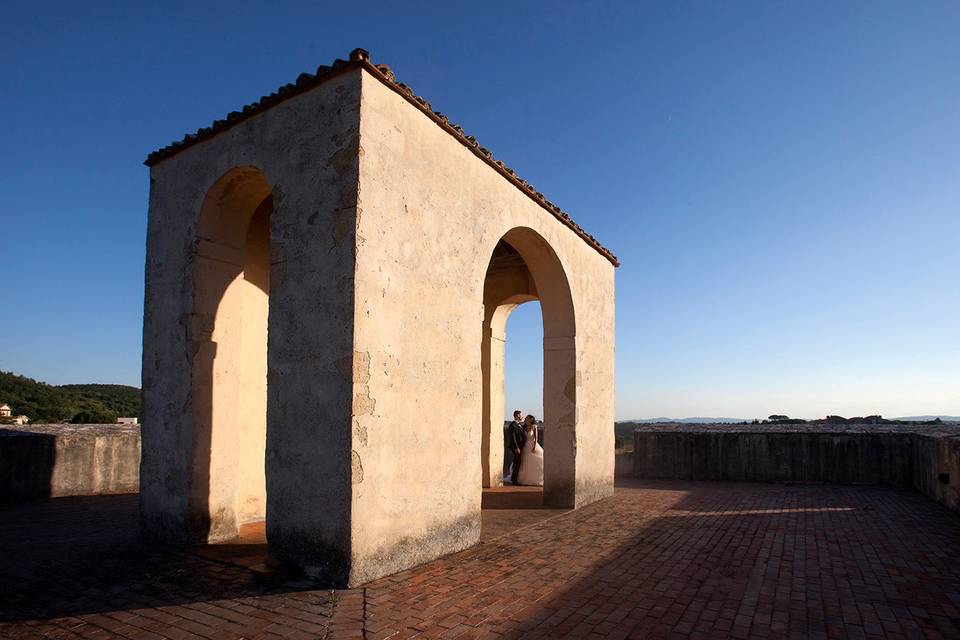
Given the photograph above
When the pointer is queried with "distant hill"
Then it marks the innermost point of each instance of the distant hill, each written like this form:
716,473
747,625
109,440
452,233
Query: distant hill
42,402
123,400
929,418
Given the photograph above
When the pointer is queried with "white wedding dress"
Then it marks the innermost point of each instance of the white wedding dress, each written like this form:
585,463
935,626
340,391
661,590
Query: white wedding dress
531,460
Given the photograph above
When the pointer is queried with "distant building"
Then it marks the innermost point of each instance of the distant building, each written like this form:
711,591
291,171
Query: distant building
7,417
127,420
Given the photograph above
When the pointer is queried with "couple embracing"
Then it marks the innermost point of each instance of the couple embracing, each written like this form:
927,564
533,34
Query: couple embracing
522,446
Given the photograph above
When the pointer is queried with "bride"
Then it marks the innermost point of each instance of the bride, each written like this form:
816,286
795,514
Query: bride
531,458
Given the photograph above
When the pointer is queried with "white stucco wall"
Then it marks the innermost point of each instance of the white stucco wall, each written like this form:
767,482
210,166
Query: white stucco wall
382,229
429,215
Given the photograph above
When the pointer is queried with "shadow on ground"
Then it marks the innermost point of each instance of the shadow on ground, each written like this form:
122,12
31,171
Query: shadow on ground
658,559
74,556
75,562
695,560
509,511
508,497
744,560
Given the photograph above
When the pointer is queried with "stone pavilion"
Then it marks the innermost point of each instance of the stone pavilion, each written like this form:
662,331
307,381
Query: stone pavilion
329,275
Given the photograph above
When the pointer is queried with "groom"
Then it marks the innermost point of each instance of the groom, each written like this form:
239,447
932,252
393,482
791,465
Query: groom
515,443
508,450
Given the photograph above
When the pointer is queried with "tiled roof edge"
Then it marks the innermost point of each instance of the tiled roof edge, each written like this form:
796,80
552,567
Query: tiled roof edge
304,83
359,58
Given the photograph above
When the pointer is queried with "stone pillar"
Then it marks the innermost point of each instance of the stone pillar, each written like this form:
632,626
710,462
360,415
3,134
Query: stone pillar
492,364
310,369
559,406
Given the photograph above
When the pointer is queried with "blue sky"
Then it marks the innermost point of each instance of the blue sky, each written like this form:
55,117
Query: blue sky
780,180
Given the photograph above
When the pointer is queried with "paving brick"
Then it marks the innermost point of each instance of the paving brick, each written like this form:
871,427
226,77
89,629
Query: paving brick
75,567
657,560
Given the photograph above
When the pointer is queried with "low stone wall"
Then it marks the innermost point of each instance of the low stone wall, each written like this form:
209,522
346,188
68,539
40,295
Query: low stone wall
57,460
623,464
936,468
925,458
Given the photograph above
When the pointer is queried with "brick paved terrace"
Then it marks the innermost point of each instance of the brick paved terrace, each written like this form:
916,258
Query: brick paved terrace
660,559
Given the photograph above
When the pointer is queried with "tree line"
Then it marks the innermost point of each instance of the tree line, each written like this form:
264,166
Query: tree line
79,403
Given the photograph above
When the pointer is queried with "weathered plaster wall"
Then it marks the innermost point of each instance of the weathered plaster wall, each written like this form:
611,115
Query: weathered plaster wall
306,148
58,460
429,216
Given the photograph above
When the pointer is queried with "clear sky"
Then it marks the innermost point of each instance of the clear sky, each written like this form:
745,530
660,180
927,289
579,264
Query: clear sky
780,180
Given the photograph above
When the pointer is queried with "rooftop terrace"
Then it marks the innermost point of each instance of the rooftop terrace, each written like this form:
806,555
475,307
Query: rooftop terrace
660,559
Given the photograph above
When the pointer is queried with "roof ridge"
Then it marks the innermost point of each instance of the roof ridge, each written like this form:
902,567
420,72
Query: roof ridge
360,59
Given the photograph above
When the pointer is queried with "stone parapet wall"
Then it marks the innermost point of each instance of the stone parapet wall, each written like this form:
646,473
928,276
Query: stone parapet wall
623,464
58,460
936,468
924,458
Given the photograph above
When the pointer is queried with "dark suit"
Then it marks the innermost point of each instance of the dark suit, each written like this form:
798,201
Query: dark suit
507,449
516,444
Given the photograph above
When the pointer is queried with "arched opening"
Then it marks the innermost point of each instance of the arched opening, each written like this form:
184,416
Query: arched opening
522,369
522,268
231,288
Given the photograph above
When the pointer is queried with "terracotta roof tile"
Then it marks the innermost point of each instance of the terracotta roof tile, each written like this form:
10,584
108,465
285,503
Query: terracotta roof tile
359,58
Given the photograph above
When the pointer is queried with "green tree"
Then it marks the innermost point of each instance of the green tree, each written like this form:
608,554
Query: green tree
95,416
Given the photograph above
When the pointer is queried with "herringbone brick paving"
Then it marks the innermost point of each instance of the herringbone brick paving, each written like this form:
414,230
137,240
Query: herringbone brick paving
658,560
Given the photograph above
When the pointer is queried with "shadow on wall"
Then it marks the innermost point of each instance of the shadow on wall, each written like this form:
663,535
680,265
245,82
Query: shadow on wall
27,461
58,460
231,284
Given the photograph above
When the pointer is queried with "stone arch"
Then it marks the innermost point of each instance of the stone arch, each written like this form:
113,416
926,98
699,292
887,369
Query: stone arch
524,267
228,343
